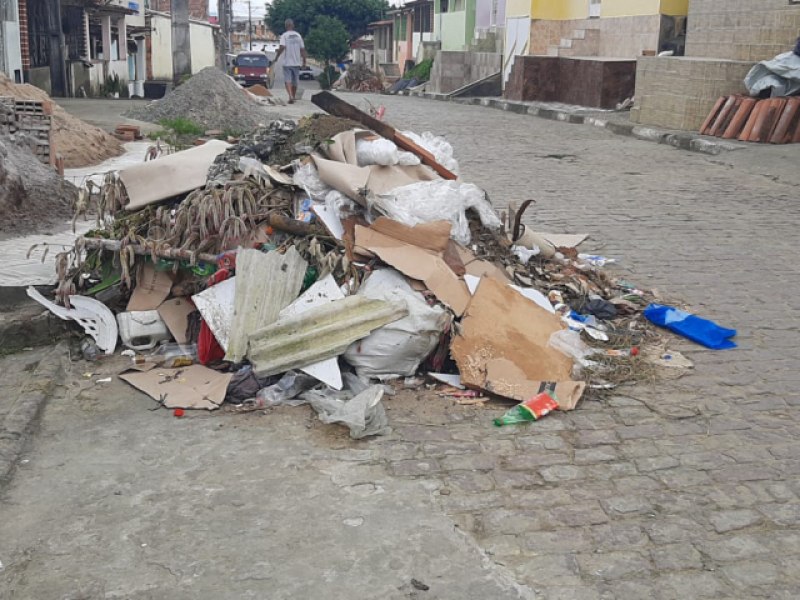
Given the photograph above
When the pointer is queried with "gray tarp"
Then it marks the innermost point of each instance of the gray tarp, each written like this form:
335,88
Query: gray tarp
782,74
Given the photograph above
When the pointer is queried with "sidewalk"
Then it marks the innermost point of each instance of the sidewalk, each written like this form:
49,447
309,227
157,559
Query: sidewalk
617,122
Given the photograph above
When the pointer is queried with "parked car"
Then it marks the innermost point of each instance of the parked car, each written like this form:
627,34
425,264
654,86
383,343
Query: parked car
309,73
250,68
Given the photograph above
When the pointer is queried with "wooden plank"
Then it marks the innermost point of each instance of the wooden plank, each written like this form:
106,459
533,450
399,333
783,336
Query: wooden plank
339,108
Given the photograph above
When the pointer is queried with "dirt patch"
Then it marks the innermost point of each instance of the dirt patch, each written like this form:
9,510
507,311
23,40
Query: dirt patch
211,99
81,144
311,131
32,195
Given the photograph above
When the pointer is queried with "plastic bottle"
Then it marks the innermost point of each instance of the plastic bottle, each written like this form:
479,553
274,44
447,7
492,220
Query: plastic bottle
530,410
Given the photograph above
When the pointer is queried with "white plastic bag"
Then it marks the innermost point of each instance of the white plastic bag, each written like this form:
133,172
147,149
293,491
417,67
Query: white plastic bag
397,349
438,146
382,152
363,414
438,200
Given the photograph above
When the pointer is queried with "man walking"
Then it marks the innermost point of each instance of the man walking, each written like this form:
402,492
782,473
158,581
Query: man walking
291,44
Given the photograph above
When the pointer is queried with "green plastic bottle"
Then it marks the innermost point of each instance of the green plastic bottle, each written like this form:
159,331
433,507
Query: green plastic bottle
530,410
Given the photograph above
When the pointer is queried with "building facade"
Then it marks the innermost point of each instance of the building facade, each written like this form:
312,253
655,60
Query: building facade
454,23
10,47
724,39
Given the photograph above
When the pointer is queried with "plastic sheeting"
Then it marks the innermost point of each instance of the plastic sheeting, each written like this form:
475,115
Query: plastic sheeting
782,74
397,348
439,200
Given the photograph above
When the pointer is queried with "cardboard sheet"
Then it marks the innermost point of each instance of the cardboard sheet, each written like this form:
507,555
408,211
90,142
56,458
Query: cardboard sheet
417,263
152,288
188,387
531,294
175,313
434,236
169,176
502,346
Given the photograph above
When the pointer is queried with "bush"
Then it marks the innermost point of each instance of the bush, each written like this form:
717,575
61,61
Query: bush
421,72
328,77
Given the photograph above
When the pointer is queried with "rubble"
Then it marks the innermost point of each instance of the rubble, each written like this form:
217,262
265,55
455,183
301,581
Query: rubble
360,78
32,195
80,144
281,260
211,99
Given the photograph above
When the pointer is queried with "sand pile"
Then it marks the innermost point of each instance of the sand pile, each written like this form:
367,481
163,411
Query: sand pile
32,195
212,100
81,144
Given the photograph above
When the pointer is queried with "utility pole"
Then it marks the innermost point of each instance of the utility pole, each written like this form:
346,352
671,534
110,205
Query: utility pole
249,26
181,42
224,14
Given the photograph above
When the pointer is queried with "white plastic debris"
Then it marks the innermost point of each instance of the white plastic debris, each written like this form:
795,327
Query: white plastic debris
438,200
382,152
525,254
438,146
94,316
398,348
142,329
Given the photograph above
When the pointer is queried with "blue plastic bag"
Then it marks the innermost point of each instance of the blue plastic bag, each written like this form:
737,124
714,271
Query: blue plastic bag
697,329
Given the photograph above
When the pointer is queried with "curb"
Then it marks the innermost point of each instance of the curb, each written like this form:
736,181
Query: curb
30,327
18,423
692,142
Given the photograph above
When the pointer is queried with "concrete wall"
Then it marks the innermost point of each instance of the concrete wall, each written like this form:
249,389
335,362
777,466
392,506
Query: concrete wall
10,53
452,70
678,93
742,29
559,9
202,42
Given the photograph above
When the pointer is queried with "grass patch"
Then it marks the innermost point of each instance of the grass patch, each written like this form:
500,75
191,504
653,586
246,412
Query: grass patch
182,126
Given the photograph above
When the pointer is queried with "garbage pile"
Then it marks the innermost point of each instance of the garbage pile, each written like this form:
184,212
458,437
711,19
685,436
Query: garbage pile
360,78
283,270
210,99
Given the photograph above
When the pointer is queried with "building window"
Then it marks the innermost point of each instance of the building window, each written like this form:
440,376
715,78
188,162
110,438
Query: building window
423,18
74,34
444,5
95,41
38,34
458,5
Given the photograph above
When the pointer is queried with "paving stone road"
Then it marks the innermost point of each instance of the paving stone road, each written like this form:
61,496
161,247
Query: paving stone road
687,489
683,489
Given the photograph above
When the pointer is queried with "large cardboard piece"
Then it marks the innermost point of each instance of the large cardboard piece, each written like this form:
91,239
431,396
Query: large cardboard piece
175,313
502,347
187,387
172,175
417,263
152,288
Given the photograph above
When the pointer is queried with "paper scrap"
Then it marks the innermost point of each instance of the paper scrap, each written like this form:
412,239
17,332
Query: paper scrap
175,313
187,387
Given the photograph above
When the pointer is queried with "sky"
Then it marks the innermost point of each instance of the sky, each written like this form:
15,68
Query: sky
240,8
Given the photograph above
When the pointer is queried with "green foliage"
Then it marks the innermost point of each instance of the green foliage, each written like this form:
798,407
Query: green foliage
327,40
182,126
421,72
328,77
355,14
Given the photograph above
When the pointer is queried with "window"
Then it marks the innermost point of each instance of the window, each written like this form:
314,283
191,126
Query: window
252,60
39,34
423,18
444,6
458,5
74,34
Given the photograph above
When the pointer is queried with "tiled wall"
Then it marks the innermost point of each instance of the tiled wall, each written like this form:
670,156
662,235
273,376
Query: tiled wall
623,37
742,29
678,93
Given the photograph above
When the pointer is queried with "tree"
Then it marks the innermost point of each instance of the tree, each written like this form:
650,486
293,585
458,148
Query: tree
355,15
327,39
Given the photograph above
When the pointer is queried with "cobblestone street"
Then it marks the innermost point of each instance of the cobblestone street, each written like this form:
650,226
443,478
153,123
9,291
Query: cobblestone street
686,489
672,490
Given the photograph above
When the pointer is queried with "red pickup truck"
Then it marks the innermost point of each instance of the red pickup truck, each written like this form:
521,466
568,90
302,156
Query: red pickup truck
250,68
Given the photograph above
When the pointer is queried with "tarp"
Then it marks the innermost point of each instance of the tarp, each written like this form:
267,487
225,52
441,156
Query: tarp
782,74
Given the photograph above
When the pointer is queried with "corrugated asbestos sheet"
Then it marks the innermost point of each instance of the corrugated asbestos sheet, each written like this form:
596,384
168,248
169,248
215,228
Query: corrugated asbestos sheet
771,120
265,284
320,333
